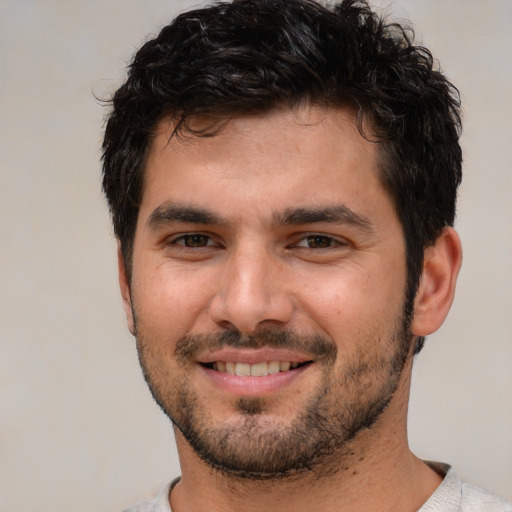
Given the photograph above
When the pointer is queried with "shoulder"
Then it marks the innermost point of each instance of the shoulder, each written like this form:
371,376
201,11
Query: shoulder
158,504
474,499
457,496
146,505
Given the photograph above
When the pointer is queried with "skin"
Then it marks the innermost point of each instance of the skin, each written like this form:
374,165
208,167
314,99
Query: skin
247,268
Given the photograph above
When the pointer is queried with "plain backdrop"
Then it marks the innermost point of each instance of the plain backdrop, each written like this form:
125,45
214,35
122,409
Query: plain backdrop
79,431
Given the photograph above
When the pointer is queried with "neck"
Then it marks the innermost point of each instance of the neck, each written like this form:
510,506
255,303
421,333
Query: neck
376,472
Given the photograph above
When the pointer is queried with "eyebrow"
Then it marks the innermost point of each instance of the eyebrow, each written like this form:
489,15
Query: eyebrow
338,214
168,213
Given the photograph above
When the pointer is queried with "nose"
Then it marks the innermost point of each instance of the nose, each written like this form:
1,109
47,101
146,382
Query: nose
251,292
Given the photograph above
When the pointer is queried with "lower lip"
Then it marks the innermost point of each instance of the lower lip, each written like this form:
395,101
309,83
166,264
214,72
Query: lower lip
253,386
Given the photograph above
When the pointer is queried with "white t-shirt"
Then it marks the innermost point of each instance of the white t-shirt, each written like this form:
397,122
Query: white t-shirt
452,495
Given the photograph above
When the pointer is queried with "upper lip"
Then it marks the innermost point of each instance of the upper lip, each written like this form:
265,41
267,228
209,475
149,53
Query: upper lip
252,356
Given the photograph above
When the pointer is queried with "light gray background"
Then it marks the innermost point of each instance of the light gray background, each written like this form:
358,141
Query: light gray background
79,430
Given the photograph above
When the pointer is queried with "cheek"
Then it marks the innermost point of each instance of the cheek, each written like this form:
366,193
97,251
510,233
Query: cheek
352,299
170,303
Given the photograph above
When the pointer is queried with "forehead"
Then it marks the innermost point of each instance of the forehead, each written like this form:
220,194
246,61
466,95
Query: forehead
308,156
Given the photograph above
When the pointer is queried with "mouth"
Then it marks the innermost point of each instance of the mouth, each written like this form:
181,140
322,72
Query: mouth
254,372
259,369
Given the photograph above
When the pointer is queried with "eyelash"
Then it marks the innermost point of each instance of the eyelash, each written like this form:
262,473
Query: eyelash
305,242
189,236
318,238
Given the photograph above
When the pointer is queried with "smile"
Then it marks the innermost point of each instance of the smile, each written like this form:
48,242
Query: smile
260,369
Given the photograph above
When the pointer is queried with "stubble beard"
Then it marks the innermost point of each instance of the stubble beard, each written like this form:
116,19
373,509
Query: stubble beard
348,402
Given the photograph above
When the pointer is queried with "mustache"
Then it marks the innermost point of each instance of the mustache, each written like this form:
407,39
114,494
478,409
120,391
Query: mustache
315,345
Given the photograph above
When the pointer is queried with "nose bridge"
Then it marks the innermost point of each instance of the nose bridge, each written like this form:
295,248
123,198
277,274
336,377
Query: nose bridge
250,290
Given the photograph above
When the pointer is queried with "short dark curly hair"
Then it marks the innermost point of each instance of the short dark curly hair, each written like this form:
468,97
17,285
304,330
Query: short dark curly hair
252,56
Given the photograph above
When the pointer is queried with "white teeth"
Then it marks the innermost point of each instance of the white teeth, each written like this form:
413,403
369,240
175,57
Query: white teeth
273,367
254,370
259,369
243,369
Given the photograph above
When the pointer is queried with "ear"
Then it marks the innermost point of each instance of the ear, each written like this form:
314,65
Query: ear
437,284
124,285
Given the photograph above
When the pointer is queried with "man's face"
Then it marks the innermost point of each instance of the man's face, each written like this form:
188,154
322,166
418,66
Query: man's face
269,249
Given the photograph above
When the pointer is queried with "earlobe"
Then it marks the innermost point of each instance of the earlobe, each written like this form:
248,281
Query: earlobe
124,285
437,284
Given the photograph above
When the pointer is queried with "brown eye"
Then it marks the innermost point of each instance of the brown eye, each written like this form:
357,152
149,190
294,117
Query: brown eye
318,241
194,240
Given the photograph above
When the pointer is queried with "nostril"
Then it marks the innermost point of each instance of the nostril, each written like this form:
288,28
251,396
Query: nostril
226,325
245,303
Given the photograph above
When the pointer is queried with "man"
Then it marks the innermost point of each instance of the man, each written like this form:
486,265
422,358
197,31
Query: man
282,180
